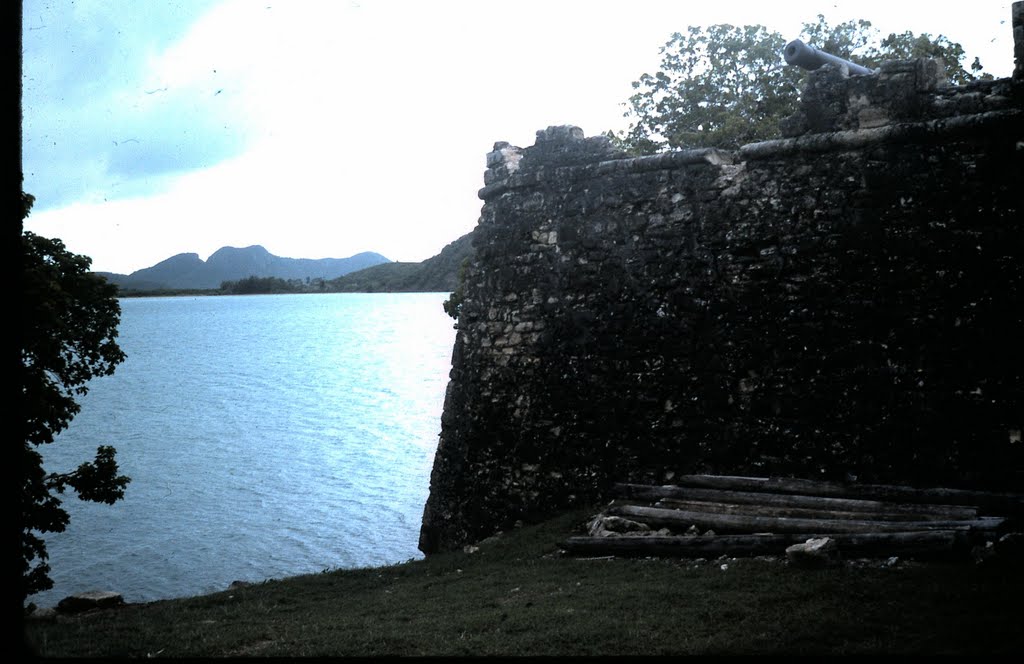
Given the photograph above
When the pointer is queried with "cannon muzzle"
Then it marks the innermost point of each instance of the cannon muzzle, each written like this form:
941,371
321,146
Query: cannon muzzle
807,57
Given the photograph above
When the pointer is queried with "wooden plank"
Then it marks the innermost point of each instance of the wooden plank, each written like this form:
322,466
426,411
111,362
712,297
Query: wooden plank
920,514
652,493
735,523
1007,503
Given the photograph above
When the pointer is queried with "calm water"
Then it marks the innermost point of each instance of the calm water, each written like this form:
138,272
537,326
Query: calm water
266,436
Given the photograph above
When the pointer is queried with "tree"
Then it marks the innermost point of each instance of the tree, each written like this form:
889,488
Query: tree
68,336
724,85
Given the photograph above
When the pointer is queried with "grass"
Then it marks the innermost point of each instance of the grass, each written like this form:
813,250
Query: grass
517,596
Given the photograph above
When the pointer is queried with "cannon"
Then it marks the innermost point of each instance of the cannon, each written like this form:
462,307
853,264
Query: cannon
807,57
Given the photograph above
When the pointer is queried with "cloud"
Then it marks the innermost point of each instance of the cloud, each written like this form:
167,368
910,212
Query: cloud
182,131
94,128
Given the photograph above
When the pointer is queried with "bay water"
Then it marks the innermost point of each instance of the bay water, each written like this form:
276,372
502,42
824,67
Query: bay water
265,436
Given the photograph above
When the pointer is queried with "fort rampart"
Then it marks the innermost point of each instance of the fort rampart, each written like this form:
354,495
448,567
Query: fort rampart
844,302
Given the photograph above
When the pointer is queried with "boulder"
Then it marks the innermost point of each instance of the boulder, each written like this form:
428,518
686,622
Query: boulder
93,599
814,553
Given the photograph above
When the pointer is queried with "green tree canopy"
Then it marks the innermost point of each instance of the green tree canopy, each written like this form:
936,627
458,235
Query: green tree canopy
726,85
69,330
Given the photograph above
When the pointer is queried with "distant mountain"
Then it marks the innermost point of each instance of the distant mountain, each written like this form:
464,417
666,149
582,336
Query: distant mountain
437,274
231,264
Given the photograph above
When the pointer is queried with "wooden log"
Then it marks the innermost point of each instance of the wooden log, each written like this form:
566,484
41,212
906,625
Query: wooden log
798,512
737,523
1003,503
932,544
652,493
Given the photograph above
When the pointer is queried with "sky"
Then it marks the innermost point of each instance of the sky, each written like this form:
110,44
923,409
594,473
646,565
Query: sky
321,129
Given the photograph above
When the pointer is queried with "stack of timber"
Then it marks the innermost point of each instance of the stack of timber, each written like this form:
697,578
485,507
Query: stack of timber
749,516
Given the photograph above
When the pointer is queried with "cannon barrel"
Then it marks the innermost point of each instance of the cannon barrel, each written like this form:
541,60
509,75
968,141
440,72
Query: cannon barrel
807,57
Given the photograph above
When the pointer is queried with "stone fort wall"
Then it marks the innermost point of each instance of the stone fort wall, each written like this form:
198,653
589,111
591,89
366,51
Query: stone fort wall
844,302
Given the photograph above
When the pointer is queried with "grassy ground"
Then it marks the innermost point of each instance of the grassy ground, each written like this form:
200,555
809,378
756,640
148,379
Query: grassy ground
518,596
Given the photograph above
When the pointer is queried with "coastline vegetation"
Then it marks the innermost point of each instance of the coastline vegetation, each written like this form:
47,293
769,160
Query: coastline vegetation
254,285
166,292
65,335
518,595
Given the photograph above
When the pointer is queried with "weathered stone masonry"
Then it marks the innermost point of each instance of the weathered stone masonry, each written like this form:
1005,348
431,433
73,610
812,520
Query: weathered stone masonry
844,301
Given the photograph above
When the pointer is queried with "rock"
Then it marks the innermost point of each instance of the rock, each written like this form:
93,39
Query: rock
239,584
93,599
814,553
610,526
620,525
1010,544
492,539
983,552
469,548
40,613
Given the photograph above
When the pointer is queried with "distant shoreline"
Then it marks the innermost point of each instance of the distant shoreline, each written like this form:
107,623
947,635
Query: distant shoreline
212,292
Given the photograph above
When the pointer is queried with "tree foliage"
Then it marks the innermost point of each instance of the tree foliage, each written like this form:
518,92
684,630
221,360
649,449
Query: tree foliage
68,336
726,85
254,285
453,305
